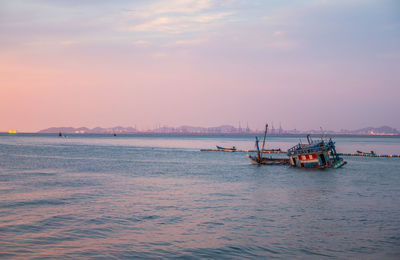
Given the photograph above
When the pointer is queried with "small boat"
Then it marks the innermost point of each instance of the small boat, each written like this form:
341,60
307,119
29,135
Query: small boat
226,148
364,153
259,159
315,154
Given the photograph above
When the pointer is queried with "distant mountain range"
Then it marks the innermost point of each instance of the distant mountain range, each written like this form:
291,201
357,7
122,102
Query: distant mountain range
223,129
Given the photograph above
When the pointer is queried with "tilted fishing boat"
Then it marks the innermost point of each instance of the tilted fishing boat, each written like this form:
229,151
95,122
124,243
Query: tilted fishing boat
259,159
315,154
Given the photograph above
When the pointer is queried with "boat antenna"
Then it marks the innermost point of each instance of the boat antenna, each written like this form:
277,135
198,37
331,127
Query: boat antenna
309,139
323,134
265,134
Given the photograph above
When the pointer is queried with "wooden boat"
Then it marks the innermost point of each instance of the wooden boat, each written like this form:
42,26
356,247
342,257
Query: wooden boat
315,154
259,159
226,148
268,161
364,153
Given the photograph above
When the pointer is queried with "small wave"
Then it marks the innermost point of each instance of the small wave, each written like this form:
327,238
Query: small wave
232,251
312,252
29,203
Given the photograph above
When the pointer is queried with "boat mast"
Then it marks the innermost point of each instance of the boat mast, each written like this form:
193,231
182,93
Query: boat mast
265,134
258,151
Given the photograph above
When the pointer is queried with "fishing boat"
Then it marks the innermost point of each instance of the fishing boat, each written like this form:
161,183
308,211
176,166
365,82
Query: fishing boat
259,159
315,154
364,153
226,148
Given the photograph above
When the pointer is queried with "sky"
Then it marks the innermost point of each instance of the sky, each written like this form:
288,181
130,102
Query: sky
304,64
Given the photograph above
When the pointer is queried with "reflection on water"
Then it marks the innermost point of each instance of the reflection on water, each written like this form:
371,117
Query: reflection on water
150,197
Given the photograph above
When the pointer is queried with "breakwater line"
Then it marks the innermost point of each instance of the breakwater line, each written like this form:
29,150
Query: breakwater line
370,155
241,151
280,152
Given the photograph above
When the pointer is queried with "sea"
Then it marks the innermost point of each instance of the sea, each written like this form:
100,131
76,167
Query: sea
160,197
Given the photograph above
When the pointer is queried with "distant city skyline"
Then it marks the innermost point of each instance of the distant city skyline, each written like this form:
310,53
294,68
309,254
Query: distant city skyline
223,129
306,64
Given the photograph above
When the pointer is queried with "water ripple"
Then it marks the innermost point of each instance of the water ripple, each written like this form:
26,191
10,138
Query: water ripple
127,198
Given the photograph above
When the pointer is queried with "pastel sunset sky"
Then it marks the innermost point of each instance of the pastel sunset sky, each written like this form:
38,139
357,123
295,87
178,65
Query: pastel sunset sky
306,64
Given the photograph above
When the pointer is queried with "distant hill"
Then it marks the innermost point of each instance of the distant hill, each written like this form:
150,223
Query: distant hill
383,130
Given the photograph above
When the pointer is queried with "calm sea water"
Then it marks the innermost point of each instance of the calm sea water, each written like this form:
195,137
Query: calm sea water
118,197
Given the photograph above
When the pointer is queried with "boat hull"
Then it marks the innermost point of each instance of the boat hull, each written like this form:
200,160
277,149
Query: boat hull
268,161
233,149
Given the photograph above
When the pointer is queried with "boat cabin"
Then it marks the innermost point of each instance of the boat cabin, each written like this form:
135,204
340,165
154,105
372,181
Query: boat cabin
320,154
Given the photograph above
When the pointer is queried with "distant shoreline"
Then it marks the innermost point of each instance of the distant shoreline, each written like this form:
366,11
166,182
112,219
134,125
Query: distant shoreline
202,134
